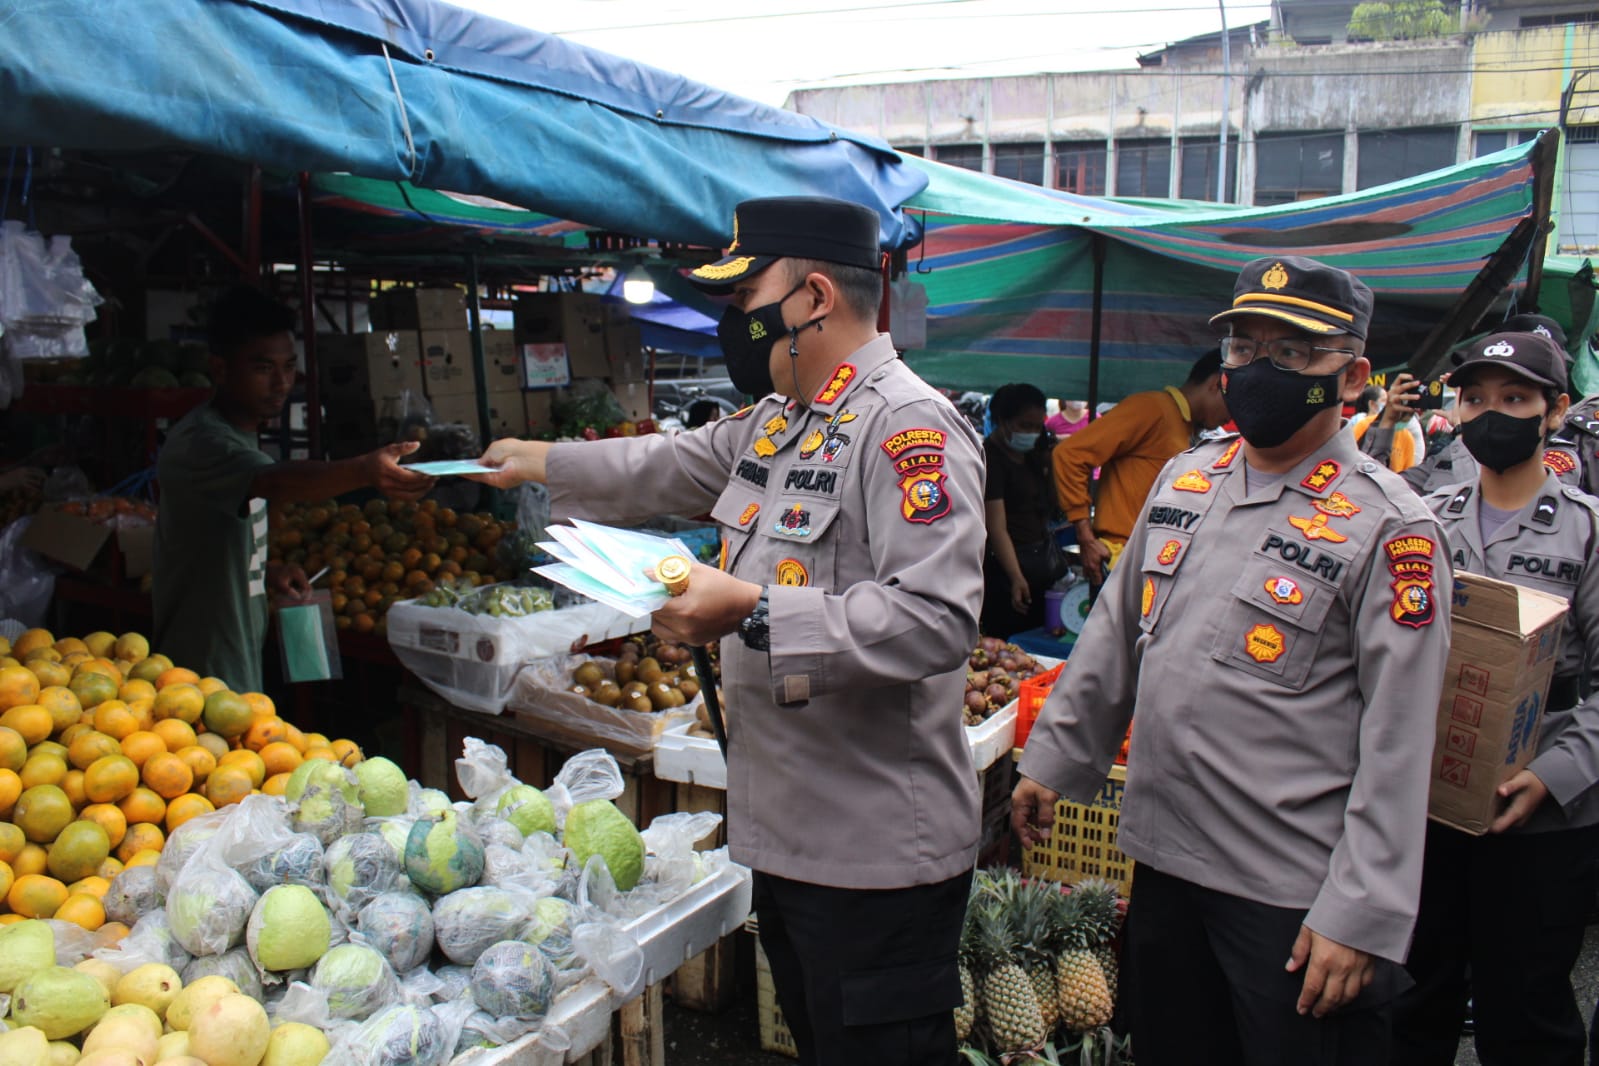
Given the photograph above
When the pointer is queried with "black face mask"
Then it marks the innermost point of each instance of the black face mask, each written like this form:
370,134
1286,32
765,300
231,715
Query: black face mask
1499,441
1270,405
747,337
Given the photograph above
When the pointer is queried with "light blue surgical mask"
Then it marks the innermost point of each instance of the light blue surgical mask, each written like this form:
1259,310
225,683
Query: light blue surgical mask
1022,442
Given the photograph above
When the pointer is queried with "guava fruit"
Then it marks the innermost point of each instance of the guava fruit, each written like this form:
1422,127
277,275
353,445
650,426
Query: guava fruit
288,929
512,980
25,948
442,855
596,827
208,909
59,1002
527,808
134,892
356,979
400,926
383,788
467,922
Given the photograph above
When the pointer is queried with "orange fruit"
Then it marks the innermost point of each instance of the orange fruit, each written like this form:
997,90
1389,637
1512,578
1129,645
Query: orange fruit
132,647
91,688
279,757
176,676
199,760
107,816
32,640
212,743
226,713
32,859
90,745
110,934
144,838
185,807
12,841
208,685
167,775
51,747
141,745
10,789
321,752
30,720
68,645
72,785
104,667
36,896
175,733
62,704
109,868
143,712
251,762
347,751
136,690
143,806
296,738
317,740
44,768
7,878
13,749
81,909
261,705
264,731
179,700
100,643
42,811
42,655
228,784
75,660
275,785
110,779
93,884
113,718
18,686
49,673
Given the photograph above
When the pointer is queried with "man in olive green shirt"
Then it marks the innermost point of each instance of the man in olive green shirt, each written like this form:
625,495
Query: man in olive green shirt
211,572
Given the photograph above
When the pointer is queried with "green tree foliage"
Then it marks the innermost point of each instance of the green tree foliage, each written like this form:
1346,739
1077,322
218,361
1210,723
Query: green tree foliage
1401,20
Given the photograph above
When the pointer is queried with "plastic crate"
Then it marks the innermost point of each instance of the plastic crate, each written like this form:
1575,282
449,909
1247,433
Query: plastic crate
1030,697
775,1036
1083,841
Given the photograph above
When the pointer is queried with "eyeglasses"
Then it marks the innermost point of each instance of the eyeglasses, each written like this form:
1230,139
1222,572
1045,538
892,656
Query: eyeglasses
1285,353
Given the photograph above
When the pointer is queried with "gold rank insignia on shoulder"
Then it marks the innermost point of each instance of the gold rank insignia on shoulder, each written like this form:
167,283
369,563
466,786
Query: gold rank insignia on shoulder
1325,473
1227,456
1168,553
1336,506
1275,278
842,376
749,514
1193,481
1315,528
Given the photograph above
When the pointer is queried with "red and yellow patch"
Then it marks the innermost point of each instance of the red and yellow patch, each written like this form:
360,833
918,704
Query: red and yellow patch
1401,548
749,514
1193,481
1168,552
1559,462
1325,474
1148,603
1316,528
906,439
1337,506
920,461
1284,590
926,499
1227,456
811,444
842,375
1265,644
792,572
742,412
1410,561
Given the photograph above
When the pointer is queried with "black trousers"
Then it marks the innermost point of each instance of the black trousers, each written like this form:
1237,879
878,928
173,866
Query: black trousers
1501,920
865,977
1205,985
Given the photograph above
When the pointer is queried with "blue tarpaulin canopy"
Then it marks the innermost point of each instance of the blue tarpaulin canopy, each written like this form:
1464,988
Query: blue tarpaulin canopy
420,91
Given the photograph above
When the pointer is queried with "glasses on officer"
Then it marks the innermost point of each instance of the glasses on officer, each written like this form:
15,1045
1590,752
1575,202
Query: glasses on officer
1285,353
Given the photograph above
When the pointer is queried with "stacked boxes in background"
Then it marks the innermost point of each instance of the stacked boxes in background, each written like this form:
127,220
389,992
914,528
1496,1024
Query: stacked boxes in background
362,374
600,341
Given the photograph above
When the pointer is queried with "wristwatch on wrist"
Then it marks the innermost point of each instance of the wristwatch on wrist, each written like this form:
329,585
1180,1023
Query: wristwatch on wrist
754,630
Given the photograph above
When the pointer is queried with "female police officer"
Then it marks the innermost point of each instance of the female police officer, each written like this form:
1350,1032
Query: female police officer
1510,906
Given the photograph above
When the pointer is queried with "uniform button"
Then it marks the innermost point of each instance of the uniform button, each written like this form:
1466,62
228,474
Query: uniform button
1367,466
877,376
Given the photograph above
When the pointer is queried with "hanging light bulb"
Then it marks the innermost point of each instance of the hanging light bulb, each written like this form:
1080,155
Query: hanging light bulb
637,286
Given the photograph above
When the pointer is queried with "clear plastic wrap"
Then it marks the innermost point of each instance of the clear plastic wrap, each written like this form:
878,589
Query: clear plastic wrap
542,691
400,926
671,864
150,940
234,964
185,840
27,581
466,922
511,979
297,860
357,981
588,775
483,772
134,892
613,954
73,942
401,1035
360,868
209,906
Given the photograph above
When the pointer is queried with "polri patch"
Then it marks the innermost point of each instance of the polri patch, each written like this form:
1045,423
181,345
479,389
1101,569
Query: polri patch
910,464
906,439
1193,481
792,572
749,514
1316,528
1169,552
926,500
1337,506
1227,456
794,522
842,375
1325,473
1413,600
1265,644
1284,590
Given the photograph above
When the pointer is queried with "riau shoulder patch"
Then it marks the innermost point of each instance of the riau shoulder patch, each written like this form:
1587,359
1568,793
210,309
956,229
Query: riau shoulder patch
926,500
1410,560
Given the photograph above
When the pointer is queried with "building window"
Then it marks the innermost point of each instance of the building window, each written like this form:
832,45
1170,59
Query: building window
1143,168
1391,155
1020,162
1198,168
1298,166
966,156
910,149
1533,21
1487,142
1080,168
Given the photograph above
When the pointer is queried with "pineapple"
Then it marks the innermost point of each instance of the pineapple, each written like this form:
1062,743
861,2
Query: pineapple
1009,1003
1029,907
1099,901
1085,1002
1084,922
966,1013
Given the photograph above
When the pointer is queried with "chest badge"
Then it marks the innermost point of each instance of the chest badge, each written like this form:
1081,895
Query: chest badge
1149,597
1325,474
765,446
1284,590
794,522
749,514
925,500
1337,506
811,444
1193,481
1265,644
1316,528
1169,552
834,440
792,572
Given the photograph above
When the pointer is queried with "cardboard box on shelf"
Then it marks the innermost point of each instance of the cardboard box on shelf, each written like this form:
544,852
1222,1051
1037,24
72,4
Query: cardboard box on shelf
349,430
624,352
507,415
575,319
375,366
502,361
416,309
1503,646
447,363
634,396
539,408
66,538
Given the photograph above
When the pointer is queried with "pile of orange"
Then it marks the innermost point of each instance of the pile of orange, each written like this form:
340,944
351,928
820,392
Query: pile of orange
386,551
105,749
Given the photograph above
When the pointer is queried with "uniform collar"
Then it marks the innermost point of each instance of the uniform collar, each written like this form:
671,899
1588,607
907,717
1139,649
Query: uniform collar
1319,476
1182,403
848,375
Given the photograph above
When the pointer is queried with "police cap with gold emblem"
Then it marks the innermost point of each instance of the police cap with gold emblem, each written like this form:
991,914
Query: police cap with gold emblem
794,227
1529,355
1305,294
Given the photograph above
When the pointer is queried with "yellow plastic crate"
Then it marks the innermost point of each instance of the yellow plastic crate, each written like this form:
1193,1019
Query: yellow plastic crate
1083,842
775,1036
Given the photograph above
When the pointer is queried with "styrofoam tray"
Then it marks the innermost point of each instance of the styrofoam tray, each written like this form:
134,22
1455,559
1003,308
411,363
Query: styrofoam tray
669,936
994,737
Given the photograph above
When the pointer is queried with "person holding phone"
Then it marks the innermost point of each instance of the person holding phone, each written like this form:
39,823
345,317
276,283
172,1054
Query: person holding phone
1394,432
1502,915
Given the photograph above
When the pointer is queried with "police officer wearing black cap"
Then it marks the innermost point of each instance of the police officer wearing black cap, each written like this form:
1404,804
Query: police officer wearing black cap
850,498
1502,915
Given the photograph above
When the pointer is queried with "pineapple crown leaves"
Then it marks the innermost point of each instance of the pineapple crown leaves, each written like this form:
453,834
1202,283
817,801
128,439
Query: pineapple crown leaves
1100,901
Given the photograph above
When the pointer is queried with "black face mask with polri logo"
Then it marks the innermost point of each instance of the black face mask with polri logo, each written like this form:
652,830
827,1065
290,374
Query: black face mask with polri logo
1270,404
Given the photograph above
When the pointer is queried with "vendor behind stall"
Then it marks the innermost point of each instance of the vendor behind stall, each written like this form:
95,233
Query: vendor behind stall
211,570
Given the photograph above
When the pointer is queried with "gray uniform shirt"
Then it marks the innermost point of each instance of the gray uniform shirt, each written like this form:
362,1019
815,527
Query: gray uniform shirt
862,514
1549,546
1284,654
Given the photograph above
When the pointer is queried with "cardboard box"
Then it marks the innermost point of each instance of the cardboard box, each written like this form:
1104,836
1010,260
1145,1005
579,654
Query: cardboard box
417,309
539,408
624,352
447,363
502,361
66,538
635,399
1502,655
575,319
507,414
368,367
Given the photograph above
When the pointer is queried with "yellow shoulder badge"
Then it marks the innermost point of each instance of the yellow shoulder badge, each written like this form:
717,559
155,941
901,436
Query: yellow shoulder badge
1193,481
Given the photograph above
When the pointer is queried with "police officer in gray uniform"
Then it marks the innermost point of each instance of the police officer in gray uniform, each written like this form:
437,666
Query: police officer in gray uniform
850,498
1510,907
1280,622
